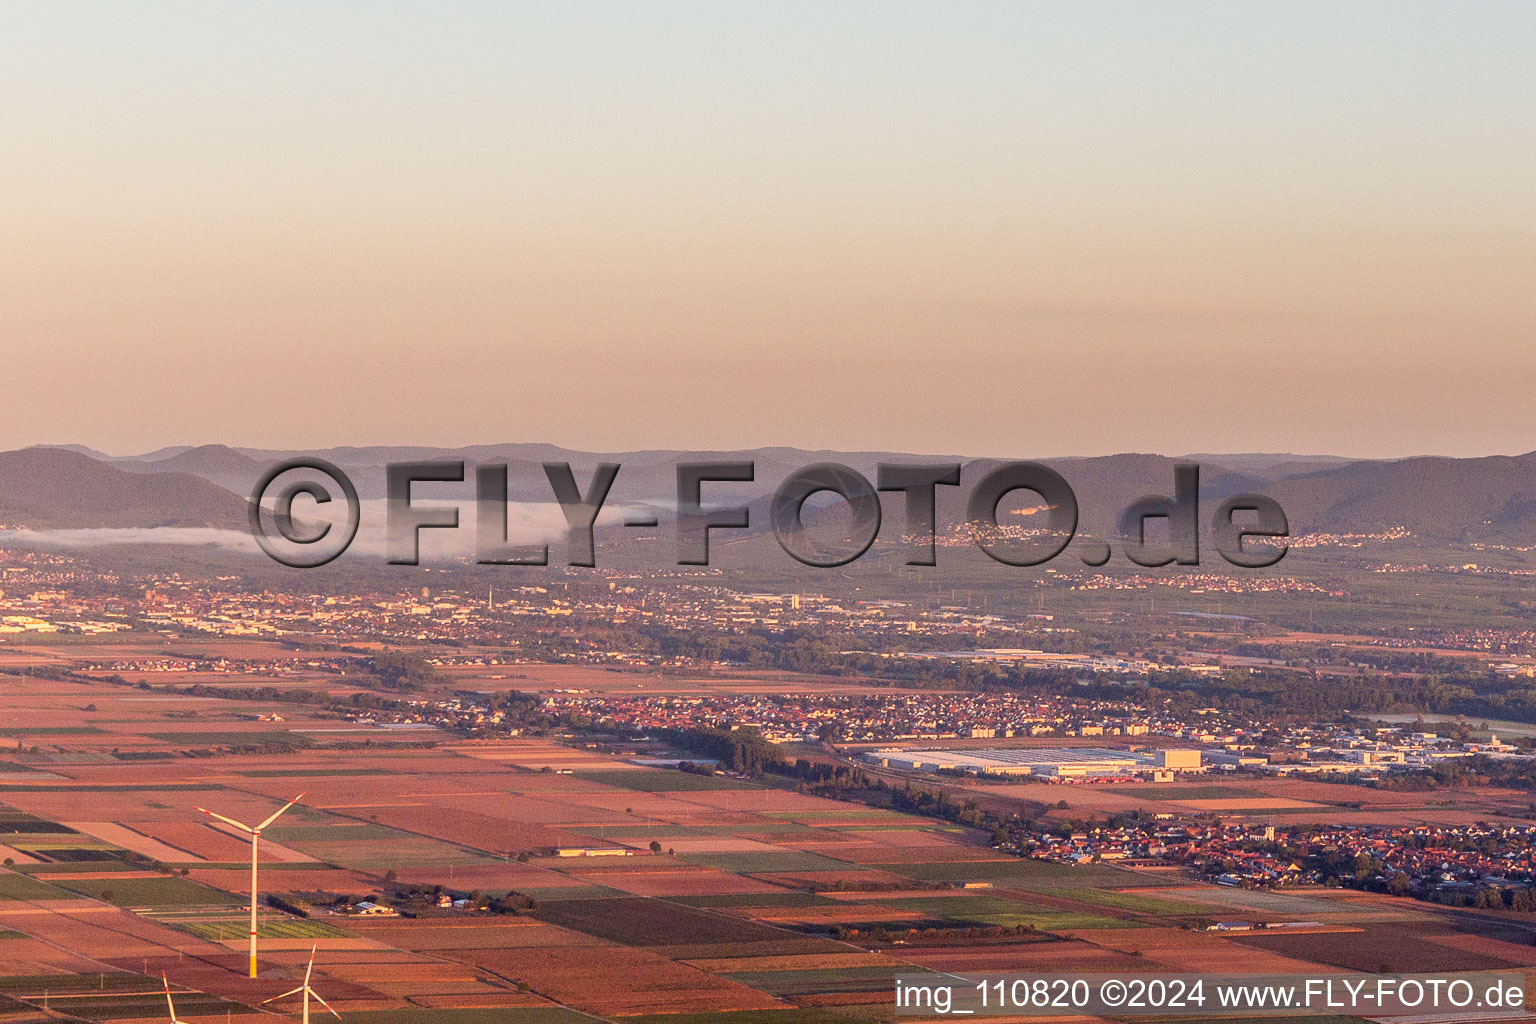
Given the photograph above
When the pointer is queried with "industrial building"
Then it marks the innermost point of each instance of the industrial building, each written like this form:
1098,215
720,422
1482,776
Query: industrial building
1046,762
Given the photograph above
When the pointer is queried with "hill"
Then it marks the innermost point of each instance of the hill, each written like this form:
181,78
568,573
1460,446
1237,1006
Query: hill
1486,499
51,488
219,464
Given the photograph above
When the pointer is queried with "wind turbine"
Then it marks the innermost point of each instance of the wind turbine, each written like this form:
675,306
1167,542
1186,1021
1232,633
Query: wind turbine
306,990
255,834
167,983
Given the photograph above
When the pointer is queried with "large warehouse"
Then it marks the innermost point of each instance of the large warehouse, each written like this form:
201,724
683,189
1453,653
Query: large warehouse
1049,762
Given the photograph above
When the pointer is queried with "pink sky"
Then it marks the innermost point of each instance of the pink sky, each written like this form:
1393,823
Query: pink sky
986,229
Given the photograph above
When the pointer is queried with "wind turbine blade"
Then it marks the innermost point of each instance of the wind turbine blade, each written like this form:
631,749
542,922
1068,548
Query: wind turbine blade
278,813
285,995
242,826
325,1004
311,968
170,1005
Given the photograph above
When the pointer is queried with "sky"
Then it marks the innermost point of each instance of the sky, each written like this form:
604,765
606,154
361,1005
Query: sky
1004,229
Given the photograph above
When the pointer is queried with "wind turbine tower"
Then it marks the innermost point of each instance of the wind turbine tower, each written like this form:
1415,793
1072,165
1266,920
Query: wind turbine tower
255,833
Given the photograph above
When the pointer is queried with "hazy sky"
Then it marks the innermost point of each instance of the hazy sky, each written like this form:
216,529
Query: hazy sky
1001,229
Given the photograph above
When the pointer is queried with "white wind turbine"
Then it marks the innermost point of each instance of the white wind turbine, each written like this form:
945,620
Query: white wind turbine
255,834
306,990
167,983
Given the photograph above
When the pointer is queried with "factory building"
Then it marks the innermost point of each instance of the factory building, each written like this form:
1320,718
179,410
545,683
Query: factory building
1044,762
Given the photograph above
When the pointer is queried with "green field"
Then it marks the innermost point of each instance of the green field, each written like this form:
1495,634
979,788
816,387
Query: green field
653,780
83,866
1132,901
275,928
233,739
999,912
64,984
20,887
107,1006
1025,874
753,863
53,730
151,892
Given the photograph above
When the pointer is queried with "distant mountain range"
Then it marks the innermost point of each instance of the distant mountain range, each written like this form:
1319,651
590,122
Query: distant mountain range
57,488
1440,499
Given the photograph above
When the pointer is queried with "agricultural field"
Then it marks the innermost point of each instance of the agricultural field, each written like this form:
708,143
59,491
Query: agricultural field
614,891
234,929
133,890
1291,800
